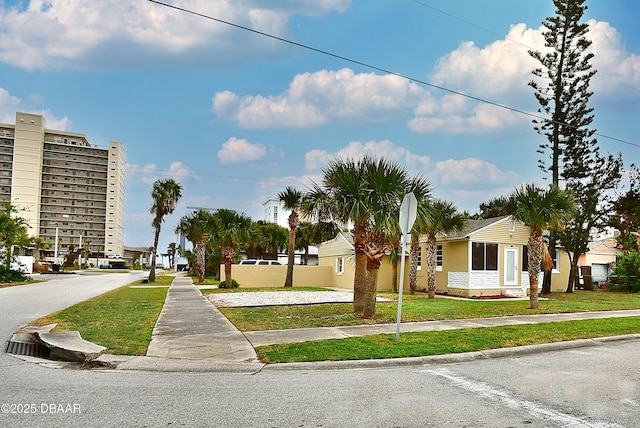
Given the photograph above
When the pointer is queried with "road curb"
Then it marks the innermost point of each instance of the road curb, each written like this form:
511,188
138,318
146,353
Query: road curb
450,358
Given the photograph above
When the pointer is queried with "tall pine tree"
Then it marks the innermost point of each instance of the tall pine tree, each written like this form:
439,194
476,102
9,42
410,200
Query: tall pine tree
562,89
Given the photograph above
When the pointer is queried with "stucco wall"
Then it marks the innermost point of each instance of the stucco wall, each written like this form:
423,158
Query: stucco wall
250,276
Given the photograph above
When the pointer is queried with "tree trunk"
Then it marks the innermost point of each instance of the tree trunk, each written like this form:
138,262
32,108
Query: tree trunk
431,266
152,272
360,274
371,288
201,259
546,282
573,276
394,275
228,257
413,264
227,275
359,282
533,291
536,250
288,282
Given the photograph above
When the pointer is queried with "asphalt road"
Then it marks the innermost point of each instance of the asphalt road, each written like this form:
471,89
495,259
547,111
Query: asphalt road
587,387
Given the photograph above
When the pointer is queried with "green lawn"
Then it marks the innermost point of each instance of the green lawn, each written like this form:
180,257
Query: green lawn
121,320
419,308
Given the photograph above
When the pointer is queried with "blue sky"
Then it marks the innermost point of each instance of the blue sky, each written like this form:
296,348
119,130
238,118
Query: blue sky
236,117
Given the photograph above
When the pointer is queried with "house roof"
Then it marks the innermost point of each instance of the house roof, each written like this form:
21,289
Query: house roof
345,236
606,244
473,226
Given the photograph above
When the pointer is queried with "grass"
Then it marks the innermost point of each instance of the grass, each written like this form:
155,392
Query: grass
255,290
444,342
418,308
121,320
17,283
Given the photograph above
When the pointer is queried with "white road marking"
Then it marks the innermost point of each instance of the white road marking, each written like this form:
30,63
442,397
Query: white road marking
507,399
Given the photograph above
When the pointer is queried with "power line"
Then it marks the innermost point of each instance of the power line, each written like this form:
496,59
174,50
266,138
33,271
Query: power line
377,68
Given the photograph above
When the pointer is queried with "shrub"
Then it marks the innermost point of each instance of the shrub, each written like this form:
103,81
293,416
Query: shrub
8,275
234,284
627,271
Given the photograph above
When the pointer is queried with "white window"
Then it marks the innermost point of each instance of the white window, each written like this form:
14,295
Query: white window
340,265
439,258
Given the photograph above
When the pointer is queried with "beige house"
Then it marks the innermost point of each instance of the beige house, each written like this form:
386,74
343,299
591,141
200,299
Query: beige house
488,258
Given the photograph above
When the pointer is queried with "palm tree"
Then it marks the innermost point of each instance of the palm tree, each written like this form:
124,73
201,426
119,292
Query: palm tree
395,255
422,191
366,193
231,229
291,199
38,243
540,209
272,238
165,195
305,236
13,229
342,197
195,227
443,218
172,250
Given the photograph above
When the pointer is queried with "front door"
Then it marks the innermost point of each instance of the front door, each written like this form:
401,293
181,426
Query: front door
511,266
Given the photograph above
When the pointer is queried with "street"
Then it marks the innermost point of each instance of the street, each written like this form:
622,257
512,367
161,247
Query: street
586,387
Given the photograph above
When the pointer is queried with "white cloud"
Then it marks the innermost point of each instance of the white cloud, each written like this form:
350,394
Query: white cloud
10,104
238,150
314,99
495,70
500,72
149,173
618,70
179,171
318,159
470,200
468,182
456,115
470,171
88,34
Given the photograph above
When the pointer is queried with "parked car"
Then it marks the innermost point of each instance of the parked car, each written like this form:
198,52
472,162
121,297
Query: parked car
259,262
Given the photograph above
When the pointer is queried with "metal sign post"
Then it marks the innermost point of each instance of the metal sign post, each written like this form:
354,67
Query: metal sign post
408,212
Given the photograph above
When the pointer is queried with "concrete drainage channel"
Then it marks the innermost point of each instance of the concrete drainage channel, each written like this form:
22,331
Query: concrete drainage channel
41,342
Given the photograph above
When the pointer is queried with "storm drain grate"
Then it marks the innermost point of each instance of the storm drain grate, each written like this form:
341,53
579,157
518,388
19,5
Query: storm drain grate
30,349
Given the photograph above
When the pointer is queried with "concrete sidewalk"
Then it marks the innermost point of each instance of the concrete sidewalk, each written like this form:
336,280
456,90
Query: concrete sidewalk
272,337
190,327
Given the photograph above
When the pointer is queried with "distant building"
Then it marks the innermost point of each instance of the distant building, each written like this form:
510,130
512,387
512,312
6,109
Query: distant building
275,212
67,187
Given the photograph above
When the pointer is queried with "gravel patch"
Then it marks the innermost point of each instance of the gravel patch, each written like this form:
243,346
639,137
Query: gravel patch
275,298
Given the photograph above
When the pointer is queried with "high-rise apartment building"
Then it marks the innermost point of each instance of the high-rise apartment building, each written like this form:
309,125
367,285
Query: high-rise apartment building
65,187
